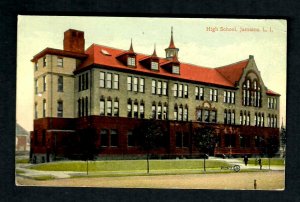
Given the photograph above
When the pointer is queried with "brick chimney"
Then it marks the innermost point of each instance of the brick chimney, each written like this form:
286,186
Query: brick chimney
74,41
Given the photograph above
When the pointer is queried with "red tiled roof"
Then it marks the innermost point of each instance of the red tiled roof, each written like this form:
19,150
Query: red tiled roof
58,52
270,92
233,72
216,76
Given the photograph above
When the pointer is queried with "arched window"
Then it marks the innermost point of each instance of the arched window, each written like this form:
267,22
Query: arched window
251,91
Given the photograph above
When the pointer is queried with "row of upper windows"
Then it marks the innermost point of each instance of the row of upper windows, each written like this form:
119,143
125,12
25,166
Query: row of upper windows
60,84
59,63
272,103
251,93
251,96
83,81
60,109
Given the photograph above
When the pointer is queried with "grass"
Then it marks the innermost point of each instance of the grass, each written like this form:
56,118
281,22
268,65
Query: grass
24,160
19,171
43,177
265,161
129,165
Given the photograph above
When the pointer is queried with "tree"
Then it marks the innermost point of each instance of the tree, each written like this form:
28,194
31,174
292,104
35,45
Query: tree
283,140
204,140
149,136
89,149
271,147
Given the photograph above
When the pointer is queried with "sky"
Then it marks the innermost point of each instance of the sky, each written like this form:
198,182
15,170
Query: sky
194,37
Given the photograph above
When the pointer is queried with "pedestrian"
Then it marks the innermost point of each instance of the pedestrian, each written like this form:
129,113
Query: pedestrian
259,163
245,160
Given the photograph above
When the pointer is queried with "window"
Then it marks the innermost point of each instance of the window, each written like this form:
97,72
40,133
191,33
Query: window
159,87
35,111
44,62
104,138
129,109
248,119
186,93
108,80
199,115
60,62
175,88
153,86
116,108
175,113
175,69
82,82
131,61
142,85
225,97
44,108
142,110
164,88
232,97
213,115
116,81
180,90
130,139
165,112
102,107
154,65
135,84
36,87
79,107
233,117
114,138
213,95
86,106
185,114
206,115
180,113
153,110
79,83
102,79
109,108
159,114
201,96
129,83
228,96
251,93
60,109
135,110
44,83
60,84
197,93
36,66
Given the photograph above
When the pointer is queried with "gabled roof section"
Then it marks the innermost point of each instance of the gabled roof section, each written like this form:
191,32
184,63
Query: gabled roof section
189,72
58,52
233,72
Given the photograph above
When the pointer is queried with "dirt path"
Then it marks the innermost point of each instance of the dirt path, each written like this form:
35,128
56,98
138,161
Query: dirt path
265,181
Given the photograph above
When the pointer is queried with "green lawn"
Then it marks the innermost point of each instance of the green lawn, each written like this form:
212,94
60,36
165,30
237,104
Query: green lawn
23,160
265,161
128,165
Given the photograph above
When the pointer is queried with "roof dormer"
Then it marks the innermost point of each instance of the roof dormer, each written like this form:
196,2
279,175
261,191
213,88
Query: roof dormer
171,51
152,61
128,58
172,66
